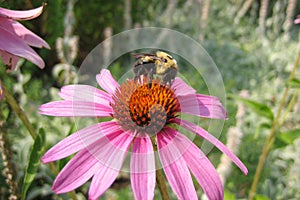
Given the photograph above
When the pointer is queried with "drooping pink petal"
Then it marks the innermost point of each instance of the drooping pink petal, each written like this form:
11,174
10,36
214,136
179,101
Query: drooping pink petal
22,32
199,165
80,140
181,88
202,105
110,153
85,93
68,108
207,136
106,81
142,168
76,172
20,14
14,45
175,167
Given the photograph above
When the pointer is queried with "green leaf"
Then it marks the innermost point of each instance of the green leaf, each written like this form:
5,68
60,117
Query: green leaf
36,153
294,83
260,197
289,136
259,108
229,195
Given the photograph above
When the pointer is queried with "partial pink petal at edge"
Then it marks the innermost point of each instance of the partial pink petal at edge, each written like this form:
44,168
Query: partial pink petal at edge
22,14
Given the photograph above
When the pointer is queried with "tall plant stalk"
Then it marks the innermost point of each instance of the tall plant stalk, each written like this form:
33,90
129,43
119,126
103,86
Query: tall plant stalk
273,131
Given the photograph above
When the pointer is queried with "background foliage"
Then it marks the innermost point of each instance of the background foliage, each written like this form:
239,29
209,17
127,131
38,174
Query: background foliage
254,48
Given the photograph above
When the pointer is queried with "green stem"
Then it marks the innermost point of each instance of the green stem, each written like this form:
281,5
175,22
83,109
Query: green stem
271,138
289,107
18,110
160,180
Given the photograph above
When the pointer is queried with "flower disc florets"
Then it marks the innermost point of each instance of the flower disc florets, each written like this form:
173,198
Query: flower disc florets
143,106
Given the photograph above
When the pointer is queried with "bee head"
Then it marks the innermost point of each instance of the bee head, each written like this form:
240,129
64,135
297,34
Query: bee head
167,60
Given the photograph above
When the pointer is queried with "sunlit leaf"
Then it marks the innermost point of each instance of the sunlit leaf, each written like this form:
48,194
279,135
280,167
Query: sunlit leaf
259,108
229,195
34,161
289,136
260,197
294,83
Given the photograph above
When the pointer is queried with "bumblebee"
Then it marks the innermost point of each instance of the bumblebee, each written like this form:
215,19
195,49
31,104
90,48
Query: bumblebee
161,64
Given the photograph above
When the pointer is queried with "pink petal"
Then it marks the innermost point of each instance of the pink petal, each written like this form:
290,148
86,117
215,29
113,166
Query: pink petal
181,88
142,168
85,93
22,32
207,136
68,108
110,153
16,46
79,140
199,165
175,167
106,81
78,171
202,105
22,15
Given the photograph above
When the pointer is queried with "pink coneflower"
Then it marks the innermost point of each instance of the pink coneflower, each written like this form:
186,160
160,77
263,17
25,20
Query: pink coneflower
146,116
16,39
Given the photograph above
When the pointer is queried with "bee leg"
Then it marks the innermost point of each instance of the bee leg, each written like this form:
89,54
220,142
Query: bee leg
138,71
150,76
169,76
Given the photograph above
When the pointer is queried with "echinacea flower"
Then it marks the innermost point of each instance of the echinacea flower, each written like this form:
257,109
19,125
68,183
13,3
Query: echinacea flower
16,39
143,114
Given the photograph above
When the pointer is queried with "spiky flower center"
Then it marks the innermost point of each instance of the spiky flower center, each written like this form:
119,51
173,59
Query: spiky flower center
144,107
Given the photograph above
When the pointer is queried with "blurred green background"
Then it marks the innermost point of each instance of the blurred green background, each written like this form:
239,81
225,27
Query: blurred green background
254,43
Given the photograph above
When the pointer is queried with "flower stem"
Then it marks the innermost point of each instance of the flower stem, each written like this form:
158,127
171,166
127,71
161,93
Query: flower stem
18,110
160,180
289,107
271,138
